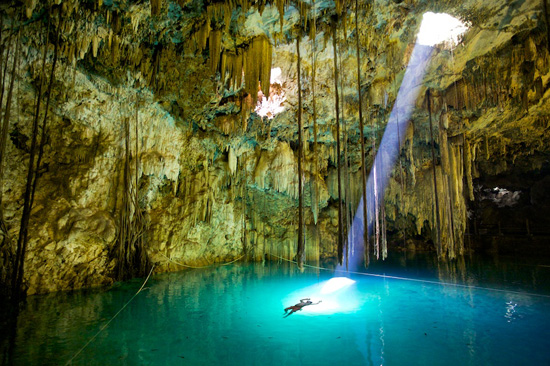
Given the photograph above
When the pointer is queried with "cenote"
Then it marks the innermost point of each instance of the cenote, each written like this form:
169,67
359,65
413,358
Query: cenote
484,311
274,182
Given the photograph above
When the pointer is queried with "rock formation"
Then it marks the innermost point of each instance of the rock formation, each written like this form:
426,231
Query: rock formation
152,140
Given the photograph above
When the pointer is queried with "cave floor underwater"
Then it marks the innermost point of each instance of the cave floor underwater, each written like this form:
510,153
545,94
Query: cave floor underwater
480,311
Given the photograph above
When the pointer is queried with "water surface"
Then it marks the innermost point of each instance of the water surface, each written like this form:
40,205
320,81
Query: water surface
233,315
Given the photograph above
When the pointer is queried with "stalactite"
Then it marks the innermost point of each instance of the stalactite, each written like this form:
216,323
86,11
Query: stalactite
372,223
436,197
257,67
156,7
300,252
95,45
401,176
383,251
378,195
281,8
115,49
362,137
376,211
254,61
383,229
244,196
452,244
265,72
468,168
232,64
338,162
237,70
339,4
215,44
252,70
201,37
303,8
219,11
447,239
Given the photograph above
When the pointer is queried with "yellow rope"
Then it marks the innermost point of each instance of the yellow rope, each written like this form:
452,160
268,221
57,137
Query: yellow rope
208,265
305,265
110,320
233,261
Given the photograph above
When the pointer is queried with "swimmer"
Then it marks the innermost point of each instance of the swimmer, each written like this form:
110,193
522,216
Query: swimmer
303,302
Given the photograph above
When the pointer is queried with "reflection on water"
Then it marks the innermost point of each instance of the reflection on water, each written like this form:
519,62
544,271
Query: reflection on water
507,273
233,315
510,311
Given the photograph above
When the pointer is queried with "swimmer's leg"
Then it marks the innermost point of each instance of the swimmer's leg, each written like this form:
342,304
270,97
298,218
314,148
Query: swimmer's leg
292,311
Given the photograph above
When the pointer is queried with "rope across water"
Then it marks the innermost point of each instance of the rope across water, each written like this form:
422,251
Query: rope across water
110,320
416,280
132,298
208,265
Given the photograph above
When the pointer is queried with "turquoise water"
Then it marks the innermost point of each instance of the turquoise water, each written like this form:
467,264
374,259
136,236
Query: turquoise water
233,315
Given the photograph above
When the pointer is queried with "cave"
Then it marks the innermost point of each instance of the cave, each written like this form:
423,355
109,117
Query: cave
274,182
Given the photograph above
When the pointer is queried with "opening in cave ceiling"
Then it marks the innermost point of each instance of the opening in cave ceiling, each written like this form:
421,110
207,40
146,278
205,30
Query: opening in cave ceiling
273,104
440,28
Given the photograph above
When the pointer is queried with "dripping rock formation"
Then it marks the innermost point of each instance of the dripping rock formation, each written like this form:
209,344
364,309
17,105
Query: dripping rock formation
154,150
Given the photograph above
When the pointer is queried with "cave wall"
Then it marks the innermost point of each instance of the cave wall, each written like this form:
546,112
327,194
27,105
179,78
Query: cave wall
215,181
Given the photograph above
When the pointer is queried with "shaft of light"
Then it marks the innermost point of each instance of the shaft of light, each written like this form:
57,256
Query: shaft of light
435,29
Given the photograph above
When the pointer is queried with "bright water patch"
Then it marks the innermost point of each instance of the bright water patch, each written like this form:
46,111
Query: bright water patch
233,315
331,296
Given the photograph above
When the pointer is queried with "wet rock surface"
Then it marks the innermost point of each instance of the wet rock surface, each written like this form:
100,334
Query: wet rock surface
217,182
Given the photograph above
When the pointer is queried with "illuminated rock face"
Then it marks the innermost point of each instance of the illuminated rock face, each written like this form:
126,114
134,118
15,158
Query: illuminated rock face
215,181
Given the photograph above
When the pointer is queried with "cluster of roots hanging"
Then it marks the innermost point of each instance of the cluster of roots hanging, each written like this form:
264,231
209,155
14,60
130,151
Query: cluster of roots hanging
129,251
13,257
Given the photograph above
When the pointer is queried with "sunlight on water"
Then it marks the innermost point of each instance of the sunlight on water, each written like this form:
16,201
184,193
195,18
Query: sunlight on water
334,296
336,284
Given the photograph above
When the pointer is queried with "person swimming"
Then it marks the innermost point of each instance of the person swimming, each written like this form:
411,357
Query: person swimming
303,302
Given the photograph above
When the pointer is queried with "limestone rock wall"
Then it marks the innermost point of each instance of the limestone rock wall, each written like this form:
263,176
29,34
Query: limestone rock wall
215,181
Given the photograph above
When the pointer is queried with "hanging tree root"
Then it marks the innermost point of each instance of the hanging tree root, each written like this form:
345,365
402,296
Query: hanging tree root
129,249
6,244
300,254
337,102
